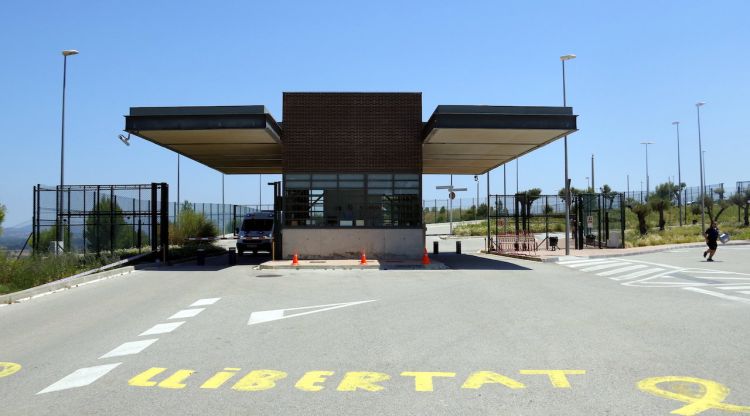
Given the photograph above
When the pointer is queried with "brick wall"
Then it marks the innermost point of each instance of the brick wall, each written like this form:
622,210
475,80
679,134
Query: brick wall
352,132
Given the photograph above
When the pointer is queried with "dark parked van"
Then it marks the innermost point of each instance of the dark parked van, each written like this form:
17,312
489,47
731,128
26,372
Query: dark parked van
256,232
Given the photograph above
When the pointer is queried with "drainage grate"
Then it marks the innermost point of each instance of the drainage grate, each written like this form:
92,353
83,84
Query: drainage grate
269,275
317,261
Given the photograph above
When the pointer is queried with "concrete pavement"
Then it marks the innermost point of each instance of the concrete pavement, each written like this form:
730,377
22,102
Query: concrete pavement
489,335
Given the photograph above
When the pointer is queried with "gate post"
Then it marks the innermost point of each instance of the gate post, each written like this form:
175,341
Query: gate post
164,222
154,229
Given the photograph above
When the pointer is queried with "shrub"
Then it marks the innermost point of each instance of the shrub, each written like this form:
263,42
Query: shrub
191,224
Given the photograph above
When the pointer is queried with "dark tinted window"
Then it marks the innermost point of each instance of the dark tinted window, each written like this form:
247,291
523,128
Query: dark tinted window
257,225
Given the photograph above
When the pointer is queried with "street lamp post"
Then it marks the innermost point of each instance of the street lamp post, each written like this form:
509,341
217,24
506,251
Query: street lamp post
567,182
679,175
698,106
66,53
588,184
648,184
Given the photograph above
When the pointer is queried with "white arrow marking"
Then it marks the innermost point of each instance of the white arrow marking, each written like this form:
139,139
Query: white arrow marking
275,315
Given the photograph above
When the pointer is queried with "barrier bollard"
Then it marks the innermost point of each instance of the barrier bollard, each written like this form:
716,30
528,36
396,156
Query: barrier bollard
232,258
458,247
435,249
201,257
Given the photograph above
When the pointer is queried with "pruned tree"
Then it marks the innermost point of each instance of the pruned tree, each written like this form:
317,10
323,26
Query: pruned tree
742,200
641,211
661,200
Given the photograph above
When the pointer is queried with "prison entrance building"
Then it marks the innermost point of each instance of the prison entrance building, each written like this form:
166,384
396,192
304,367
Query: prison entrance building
351,163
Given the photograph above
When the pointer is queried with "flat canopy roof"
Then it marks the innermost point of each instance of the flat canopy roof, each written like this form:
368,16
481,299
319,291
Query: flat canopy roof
230,139
473,139
457,139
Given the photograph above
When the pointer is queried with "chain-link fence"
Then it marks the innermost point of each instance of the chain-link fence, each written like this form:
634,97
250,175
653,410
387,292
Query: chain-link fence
95,218
226,217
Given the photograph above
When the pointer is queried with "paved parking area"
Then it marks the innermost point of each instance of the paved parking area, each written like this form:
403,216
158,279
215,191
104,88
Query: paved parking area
488,336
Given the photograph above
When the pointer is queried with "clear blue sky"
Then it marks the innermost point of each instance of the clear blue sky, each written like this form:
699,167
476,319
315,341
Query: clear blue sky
641,65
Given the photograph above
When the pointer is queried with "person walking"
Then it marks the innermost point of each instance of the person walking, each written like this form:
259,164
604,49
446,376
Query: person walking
711,234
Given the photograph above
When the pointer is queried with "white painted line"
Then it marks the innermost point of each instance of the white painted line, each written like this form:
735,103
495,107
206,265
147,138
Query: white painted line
274,315
745,292
187,313
81,377
129,348
638,274
718,295
603,266
621,270
591,263
587,261
162,328
734,287
205,302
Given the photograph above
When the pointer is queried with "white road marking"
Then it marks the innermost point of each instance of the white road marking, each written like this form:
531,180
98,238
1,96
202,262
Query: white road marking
603,266
187,313
735,288
205,302
745,292
717,294
162,328
622,270
81,377
130,348
274,315
589,263
638,274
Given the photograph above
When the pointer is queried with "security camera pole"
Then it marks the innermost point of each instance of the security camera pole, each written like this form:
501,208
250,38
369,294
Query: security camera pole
451,196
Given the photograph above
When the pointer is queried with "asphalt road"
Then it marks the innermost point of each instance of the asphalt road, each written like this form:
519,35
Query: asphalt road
488,336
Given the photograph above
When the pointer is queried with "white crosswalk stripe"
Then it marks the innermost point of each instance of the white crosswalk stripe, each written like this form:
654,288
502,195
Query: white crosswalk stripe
588,263
639,273
603,266
622,270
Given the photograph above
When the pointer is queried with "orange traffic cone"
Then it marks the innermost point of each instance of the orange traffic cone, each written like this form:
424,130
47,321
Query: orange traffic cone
425,258
362,258
295,260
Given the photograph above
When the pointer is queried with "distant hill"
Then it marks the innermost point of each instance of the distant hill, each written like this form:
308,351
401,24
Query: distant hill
14,237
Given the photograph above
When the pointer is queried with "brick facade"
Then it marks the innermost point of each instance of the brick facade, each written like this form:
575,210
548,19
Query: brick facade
352,132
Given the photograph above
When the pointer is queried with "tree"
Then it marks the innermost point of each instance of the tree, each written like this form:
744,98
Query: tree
742,200
482,210
720,191
2,217
526,199
106,227
641,211
708,205
662,198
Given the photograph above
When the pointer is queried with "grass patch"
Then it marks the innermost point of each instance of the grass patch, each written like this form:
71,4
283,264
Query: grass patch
679,235
36,270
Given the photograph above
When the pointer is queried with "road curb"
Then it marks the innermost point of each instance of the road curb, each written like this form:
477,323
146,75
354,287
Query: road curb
66,283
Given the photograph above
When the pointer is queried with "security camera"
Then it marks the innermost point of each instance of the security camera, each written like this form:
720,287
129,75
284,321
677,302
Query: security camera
124,139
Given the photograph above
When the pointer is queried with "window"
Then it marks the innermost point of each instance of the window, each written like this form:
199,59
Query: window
352,200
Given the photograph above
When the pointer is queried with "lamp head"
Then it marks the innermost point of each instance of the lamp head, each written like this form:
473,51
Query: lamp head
69,52
700,103
567,57
647,143
675,123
